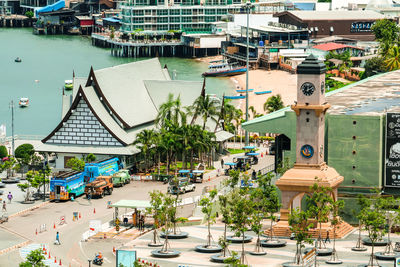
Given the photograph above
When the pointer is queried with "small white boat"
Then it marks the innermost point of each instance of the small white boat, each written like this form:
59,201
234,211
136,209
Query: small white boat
24,102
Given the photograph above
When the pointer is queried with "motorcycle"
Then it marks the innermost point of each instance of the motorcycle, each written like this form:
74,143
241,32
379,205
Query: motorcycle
97,260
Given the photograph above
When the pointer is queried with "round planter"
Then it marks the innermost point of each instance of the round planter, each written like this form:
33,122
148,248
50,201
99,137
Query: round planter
169,254
275,243
320,252
10,180
210,249
28,202
366,265
2,185
238,240
180,235
380,243
290,264
358,249
334,262
218,258
390,257
153,245
1,192
259,253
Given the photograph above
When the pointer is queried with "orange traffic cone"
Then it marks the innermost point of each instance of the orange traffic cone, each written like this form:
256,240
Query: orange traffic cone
45,252
44,249
94,210
79,215
55,259
114,250
60,262
49,255
54,225
36,231
105,236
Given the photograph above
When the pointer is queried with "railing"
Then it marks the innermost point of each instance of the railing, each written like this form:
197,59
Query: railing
267,169
21,137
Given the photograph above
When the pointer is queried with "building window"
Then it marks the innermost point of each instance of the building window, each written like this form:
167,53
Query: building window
186,12
210,11
175,19
162,12
174,12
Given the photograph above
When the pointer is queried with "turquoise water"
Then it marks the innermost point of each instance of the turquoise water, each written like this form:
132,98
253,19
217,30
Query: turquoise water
50,60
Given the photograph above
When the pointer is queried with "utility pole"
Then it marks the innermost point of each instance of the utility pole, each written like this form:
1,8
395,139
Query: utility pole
247,7
12,126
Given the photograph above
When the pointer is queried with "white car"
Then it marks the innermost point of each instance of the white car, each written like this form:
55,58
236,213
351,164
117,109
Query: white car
181,186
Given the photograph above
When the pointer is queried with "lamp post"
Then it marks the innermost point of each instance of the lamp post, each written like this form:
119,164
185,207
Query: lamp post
248,6
12,127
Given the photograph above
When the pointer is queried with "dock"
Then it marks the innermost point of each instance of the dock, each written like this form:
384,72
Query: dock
15,21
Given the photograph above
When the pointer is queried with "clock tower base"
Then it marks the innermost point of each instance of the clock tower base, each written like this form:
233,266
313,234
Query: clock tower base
295,185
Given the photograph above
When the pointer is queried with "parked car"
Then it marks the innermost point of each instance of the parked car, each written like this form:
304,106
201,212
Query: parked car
99,187
121,178
181,185
197,176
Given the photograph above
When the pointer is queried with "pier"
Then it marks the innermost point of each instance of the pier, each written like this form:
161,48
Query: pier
150,48
15,21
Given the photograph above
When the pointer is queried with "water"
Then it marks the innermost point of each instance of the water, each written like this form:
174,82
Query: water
50,60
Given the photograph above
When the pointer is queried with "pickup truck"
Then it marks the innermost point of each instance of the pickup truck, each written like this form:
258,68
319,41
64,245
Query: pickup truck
99,187
121,178
181,185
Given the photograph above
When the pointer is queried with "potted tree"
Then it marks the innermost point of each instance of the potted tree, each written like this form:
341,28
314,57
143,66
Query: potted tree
336,206
299,225
319,208
207,204
156,201
258,197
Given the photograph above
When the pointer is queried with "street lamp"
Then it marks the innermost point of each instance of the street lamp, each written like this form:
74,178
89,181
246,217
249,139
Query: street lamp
248,6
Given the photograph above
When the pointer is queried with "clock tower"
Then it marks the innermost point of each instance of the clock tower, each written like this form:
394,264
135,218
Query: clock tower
310,166
310,109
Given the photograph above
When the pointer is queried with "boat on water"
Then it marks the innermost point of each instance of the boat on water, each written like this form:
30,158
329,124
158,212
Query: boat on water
18,59
23,102
234,96
223,69
244,90
263,92
68,85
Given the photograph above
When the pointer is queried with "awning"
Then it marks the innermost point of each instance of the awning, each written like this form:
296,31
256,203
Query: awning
222,136
249,147
132,204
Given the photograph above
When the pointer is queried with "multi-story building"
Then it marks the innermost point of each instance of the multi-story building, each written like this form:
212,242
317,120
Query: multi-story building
182,15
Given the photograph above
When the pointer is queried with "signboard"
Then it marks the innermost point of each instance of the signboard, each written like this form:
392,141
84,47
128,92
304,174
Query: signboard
309,258
126,257
392,153
362,26
397,262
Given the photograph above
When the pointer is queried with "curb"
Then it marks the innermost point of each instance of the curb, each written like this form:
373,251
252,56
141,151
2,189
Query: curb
28,209
6,250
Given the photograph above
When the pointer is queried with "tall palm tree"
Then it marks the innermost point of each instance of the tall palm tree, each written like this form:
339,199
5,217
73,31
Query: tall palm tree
145,141
392,60
273,103
172,111
206,108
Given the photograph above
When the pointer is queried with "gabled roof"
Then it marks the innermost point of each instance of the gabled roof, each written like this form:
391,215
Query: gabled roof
334,46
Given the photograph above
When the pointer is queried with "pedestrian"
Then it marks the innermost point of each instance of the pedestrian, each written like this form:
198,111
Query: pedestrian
253,174
141,223
58,238
222,162
327,238
10,197
89,196
4,205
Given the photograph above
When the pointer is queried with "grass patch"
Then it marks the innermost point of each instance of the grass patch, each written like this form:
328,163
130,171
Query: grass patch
236,150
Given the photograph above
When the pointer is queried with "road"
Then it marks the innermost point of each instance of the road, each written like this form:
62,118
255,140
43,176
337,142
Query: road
72,251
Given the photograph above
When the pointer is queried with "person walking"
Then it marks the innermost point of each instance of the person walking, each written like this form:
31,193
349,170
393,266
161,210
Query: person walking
10,197
58,238
327,239
141,223
222,163
4,206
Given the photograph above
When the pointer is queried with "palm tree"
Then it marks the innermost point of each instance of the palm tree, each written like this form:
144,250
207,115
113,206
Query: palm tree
145,141
171,111
273,103
206,108
253,110
392,60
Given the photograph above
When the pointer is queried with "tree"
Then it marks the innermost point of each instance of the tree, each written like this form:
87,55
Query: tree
372,216
76,164
386,31
156,202
90,158
7,165
112,34
29,14
24,154
336,206
300,226
374,65
144,141
242,208
319,207
3,152
206,108
34,259
225,208
273,103
392,60
34,179
207,204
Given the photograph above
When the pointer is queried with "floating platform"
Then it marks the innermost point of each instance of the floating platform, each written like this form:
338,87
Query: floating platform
263,92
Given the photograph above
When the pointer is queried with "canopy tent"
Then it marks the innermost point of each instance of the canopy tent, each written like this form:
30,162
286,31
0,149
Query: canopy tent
132,204
230,164
253,154
249,147
184,171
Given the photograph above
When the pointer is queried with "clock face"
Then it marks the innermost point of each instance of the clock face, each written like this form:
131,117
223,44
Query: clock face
307,88
307,151
322,87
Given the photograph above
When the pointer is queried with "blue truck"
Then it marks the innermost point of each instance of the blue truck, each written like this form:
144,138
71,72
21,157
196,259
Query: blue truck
64,185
